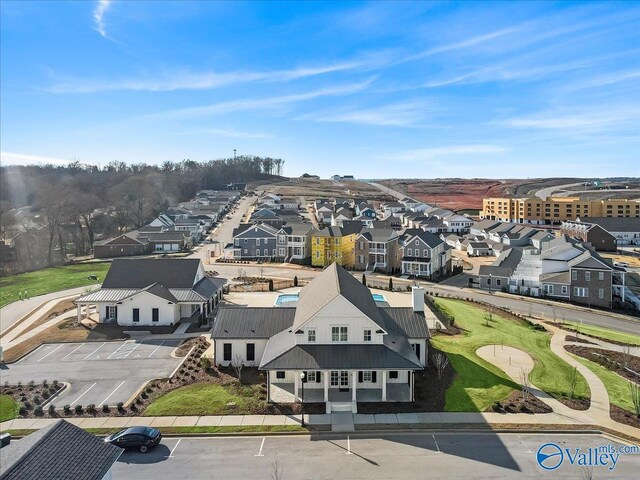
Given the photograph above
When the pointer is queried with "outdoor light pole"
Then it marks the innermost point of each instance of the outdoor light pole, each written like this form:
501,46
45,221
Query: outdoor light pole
302,397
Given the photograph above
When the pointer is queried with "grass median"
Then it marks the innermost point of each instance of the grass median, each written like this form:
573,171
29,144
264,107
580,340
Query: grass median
50,280
8,408
479,383
604,333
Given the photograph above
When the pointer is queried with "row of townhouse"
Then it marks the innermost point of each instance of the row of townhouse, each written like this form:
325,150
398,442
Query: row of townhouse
604,233
562,268
177,229
258,241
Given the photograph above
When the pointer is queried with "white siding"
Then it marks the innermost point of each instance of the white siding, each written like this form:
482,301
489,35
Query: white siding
239,347
169,313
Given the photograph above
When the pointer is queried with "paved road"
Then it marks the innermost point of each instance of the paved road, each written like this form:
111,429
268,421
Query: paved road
543,193
99,372
9,314
380,456
224,232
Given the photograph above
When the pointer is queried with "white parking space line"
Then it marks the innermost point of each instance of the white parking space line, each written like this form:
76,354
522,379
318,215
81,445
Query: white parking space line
72,351
83,394
261,447
156,349
348,446
114,391
436,442
130,351
95,350
45,356
115,352
174,448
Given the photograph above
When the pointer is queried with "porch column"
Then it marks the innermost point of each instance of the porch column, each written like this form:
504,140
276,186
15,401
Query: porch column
411,377
295,387
384,385
327,375
268,386
354,378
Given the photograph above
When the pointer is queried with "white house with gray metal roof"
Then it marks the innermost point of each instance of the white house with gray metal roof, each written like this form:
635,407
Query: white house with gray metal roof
153,292
337,341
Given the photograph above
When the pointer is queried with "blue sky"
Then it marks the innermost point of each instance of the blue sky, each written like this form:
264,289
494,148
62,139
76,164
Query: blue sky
383,89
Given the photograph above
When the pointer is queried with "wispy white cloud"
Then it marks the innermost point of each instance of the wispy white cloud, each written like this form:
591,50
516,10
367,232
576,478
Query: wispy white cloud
98,16
13,158
440,153
249,104
592,119
181,79
398,115
604,80
227,133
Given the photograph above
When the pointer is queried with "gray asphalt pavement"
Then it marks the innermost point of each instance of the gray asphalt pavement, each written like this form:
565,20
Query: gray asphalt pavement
99,372
458,455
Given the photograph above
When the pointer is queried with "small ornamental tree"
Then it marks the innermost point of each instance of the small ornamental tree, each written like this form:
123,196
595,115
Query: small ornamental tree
295,281
364,279
271,285
390,284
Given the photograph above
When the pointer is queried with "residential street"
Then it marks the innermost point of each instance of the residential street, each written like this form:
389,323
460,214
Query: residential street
365,456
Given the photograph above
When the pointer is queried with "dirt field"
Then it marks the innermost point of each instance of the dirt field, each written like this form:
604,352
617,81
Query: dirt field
458,193
312,188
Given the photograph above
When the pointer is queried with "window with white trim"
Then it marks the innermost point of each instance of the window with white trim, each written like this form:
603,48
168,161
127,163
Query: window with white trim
339,334
367,376
574,275
601,293
311,376
600,275
580,292
587,276
548,289
311,335
257,242
367,336
564,289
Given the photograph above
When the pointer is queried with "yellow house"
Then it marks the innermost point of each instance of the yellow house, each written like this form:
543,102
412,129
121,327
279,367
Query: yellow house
333,244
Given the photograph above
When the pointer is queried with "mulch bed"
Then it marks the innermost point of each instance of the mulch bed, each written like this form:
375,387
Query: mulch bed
429,393
575,403
623,416
516,404
610,360
573,338
184,347
32,395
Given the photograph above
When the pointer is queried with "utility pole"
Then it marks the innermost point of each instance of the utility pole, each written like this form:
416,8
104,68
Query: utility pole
234,153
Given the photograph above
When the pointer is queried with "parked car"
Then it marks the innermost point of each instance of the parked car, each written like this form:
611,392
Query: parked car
138,438
621,264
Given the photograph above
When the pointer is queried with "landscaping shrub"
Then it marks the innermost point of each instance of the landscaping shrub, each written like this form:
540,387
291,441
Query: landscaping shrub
45,384
55,383
52,409
32,383
67,409
23,410
133,407
105,408
27,405
205,363
78,409
91,408
38,411
120,406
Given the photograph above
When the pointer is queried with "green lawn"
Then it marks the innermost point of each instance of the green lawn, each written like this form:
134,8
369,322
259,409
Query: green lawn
617,387
8,408
50,280
606,334
479,383
206,399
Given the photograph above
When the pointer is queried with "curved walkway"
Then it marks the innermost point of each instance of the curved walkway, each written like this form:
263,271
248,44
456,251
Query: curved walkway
513,360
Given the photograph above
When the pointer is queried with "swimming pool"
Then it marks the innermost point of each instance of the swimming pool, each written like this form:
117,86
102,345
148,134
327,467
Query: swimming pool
284,298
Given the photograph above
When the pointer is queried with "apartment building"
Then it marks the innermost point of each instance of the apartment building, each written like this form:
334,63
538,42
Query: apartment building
555,209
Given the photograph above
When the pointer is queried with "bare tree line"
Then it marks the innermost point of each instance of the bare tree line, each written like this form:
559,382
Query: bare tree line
71,206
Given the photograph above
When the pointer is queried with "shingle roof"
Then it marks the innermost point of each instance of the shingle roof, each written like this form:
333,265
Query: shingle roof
60,451
142,272
613,224
331,283
378,234
252,322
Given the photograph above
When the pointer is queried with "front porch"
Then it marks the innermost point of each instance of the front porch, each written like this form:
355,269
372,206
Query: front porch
285,393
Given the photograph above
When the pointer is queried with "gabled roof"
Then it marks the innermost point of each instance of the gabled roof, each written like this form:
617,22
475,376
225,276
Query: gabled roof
614,224
379,234
142,272
479,245
296,228
59,451
245,227
121,240
157,290
331,283
428,238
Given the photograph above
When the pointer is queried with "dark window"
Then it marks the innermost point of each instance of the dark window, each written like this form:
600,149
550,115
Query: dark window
136,314
318,375
280,374
155,314
227,352
251,352
393,374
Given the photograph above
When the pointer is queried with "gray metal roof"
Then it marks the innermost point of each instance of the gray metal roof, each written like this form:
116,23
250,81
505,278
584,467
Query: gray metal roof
60,451
614,224
406,322
252,322
394,354
142,272
108,295
331,283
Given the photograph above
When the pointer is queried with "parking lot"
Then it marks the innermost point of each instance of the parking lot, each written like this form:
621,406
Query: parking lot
411,455
99,372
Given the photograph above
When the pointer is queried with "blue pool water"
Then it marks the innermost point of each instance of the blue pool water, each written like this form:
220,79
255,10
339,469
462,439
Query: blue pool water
293,297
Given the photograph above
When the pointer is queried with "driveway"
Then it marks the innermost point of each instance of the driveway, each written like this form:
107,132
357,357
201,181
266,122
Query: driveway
99,372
